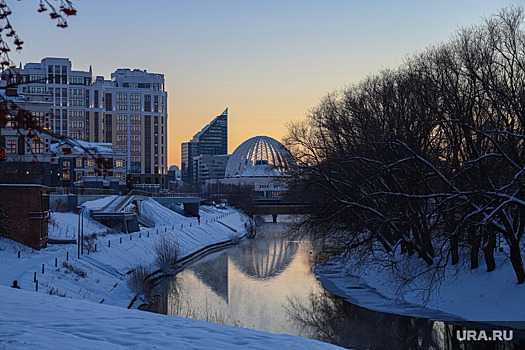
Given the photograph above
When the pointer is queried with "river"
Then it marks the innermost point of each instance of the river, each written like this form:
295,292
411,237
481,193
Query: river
267,284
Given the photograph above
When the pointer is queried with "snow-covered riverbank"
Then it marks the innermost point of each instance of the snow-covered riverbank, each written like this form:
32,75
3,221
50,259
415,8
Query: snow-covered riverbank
472,295
101,276
30,319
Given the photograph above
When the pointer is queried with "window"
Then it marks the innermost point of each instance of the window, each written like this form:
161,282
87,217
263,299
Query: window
79,163
64,75
64,97
119,163
109,102
11,146
147,103
37,147
96,102
90,162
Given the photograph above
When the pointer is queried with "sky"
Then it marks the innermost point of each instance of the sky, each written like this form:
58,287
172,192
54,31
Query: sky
268,61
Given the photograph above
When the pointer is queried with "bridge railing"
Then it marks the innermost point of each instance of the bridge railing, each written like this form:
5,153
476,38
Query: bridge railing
124,201
81,191
178,195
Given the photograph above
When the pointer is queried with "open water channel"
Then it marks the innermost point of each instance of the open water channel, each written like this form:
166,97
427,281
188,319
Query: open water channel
267,284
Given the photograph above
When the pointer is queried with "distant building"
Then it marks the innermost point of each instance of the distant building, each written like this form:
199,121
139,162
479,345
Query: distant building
89,165
129,111
188,152
27,158
209,167
262,163
27,216
174,173
211,140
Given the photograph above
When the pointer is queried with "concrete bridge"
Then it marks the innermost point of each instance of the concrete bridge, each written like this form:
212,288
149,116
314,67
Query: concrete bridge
275,208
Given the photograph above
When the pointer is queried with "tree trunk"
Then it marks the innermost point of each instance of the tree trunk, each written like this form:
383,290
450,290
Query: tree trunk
454,246
517,263
474,247
488,249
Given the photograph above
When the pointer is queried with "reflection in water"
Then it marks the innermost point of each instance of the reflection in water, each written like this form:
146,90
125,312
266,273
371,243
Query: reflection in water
214,273
268,284
264,259
331,319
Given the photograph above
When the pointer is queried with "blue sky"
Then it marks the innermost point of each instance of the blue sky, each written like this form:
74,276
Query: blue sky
269,61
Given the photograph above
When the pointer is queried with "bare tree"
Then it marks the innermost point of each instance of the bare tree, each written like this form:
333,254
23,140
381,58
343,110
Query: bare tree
426,160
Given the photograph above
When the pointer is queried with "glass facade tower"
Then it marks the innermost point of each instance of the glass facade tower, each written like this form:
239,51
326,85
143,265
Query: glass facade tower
211,140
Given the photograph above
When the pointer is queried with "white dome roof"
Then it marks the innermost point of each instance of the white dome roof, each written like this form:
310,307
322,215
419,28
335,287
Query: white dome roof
260,156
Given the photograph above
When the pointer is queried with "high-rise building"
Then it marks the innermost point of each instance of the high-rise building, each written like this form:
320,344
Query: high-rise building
129,111
209,167
211,140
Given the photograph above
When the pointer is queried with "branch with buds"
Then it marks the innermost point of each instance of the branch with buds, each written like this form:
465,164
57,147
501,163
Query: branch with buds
9,37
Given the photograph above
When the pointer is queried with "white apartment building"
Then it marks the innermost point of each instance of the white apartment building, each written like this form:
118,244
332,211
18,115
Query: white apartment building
129,111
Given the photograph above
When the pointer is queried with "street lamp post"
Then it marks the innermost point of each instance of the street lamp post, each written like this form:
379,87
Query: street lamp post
80,239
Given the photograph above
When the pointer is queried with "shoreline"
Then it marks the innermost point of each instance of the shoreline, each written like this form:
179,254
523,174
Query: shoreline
357,291
101,276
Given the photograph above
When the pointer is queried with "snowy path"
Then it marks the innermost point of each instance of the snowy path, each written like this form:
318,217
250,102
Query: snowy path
14,268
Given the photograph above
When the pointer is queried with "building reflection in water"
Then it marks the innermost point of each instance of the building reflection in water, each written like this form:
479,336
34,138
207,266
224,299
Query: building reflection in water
267,284
264,259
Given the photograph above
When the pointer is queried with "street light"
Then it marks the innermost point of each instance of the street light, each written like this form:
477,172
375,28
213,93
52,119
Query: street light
80,239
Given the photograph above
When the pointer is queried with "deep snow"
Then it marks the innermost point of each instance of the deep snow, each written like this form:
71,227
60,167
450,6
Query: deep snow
472,295
37,321
30,319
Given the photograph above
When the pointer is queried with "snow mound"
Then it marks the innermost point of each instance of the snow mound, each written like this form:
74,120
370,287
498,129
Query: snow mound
162,215
37,321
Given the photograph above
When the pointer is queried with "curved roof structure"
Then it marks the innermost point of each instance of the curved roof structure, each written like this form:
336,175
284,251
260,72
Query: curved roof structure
264,259
260,156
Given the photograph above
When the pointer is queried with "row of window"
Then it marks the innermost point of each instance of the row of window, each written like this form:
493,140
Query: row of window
90,163
34,146
78,175
135,85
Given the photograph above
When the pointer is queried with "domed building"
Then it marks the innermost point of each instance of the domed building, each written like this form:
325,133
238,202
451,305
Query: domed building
260,161
260,156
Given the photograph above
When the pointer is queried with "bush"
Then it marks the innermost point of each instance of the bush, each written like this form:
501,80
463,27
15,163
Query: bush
55,291
167,254
75,269
138,281
90,241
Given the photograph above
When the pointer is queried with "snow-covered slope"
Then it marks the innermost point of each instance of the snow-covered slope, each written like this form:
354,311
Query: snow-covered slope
105,270
37,321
